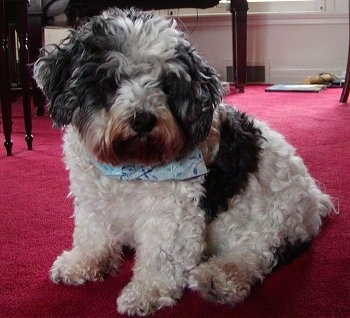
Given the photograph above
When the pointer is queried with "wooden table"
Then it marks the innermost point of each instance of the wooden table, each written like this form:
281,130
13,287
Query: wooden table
14,11
239,9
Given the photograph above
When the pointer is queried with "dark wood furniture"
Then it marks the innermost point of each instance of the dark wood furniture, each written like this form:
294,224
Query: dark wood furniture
14,12
239,10
35,43
346,88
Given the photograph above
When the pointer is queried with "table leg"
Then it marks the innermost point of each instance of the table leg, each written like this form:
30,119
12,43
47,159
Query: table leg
35,43
22,32
239,10
5,82
346,86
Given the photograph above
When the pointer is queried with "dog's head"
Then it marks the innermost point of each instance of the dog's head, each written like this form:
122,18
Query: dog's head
132,84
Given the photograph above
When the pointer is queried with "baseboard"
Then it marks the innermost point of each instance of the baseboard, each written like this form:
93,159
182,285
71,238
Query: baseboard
292,76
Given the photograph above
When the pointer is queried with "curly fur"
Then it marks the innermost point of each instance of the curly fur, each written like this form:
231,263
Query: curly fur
237,157
130,89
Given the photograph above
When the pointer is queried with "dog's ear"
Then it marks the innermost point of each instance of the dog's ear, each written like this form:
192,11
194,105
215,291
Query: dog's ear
52,71
194,93
69,75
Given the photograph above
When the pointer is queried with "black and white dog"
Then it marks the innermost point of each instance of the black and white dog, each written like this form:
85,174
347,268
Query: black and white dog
208,197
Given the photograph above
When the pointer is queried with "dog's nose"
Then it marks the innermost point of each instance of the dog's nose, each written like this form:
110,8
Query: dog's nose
144,122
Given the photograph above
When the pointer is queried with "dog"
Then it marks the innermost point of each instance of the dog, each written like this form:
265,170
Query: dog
210,198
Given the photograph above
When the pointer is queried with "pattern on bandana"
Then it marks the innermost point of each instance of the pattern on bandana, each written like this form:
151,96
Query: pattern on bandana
190,167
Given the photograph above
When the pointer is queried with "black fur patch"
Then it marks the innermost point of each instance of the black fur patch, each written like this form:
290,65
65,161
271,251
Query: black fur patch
288,251
237,157
193,94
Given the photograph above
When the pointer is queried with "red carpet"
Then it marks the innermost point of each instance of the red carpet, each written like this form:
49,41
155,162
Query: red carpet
36,224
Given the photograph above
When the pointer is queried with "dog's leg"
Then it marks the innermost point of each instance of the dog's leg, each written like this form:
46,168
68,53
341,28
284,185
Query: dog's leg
243,257
93,255
167,249
225,279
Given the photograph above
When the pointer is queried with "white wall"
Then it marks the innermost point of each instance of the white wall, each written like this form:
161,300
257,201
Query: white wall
292,46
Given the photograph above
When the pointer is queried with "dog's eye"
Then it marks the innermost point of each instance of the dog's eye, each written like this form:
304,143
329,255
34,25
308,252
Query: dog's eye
106,89
171,84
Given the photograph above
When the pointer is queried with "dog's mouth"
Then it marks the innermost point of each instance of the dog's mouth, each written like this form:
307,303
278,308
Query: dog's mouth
141,149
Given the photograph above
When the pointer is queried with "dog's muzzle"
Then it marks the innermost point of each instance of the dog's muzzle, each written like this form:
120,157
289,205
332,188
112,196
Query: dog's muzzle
143,122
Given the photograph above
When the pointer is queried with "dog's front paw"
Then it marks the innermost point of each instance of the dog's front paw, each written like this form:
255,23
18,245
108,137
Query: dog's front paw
72,268
222,283
142,300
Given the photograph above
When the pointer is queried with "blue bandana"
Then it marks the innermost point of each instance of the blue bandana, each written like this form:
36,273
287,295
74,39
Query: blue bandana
190,167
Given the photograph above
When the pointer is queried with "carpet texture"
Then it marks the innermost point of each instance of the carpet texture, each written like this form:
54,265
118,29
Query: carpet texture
36,223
